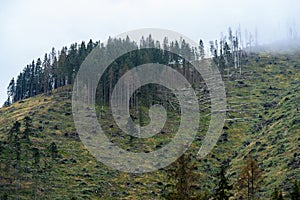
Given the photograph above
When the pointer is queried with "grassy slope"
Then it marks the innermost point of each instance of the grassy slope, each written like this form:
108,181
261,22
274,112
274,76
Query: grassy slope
263,120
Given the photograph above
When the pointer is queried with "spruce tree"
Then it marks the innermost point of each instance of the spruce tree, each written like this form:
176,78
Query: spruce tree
275,194
53,150
11,89
295,193
183,175
250,178
36,161
28,128
223,190
201,49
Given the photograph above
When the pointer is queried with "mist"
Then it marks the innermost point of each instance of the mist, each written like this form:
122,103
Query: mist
29,29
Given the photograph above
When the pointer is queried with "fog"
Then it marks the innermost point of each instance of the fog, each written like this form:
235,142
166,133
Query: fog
31,28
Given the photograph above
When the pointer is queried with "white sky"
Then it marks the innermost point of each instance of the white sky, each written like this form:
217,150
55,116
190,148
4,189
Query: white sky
29,29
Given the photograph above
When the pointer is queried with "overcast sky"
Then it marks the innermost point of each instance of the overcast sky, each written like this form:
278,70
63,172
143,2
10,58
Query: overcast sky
30,28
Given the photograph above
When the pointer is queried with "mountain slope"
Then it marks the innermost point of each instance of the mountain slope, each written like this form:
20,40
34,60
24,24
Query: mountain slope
262,121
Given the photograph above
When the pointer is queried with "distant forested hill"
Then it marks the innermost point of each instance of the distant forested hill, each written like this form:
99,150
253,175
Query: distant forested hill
257,155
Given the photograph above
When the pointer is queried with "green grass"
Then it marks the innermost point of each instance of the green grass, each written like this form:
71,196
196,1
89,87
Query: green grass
262,120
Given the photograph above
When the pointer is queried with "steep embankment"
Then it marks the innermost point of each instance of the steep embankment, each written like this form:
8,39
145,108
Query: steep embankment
263,120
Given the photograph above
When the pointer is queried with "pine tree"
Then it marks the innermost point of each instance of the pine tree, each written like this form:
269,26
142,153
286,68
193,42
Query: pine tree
18,90
46,73
90,46
201,50
223,190
54,69
26,143
82,52
7,103
227,54
280,196
183,175
26,81
36,156
53,150
31,79
275,194
295,193
15,130
36,161
17,164
250,178
48,168
61,67
38,77
28,127
214,52
11,90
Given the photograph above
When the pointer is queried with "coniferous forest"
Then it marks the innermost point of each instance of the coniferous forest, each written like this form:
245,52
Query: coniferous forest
59,68
256,157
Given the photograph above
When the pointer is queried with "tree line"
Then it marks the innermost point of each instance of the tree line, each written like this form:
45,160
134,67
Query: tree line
55,70
59,68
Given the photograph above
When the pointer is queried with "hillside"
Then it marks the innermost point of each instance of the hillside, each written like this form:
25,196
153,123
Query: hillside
263,120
